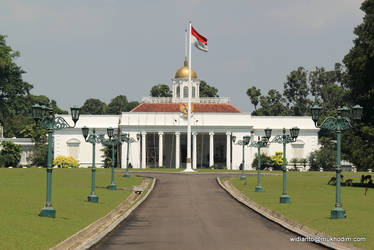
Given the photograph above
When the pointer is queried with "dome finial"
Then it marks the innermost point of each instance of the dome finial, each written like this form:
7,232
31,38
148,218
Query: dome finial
183,72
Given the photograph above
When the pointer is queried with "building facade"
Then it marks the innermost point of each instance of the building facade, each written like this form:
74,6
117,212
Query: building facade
159,127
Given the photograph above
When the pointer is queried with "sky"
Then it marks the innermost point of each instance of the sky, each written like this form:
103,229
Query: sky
73,50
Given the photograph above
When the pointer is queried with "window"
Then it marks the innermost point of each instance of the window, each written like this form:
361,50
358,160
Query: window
178,91
73,148
185,92
193,92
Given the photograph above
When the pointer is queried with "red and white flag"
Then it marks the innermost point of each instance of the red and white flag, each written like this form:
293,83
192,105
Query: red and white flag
198,40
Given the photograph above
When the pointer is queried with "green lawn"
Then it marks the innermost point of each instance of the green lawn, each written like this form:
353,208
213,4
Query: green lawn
22,195
312,200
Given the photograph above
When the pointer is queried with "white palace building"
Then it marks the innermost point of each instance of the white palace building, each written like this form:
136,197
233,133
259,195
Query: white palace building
159,126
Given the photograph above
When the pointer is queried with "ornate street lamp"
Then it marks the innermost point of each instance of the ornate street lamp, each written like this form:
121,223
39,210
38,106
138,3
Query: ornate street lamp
113,141
284,139
340,122
126,138
260,143
93,139
45,118
243,143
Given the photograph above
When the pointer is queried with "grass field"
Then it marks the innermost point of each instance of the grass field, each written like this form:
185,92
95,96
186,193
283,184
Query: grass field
312,200
22,195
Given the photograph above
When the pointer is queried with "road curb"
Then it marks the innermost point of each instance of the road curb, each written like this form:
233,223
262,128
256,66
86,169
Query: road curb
94,232
281,220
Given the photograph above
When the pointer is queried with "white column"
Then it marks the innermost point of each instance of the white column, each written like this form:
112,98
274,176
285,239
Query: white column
124,155
144,142
160,149
194,155
211,149
228,150
177,150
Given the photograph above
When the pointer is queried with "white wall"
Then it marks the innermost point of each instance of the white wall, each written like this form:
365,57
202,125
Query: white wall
239,124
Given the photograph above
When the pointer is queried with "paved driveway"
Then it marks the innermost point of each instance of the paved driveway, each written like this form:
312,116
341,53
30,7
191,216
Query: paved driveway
193,212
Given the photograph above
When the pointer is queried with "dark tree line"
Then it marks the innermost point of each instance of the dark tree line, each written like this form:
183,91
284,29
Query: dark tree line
117,105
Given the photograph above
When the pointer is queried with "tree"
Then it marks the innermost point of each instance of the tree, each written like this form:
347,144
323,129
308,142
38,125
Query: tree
10,155
358,142
207,90
131,105
360,63
117,105
325,157
12,87
254,94
94,107
108,156
296,91
161,90
39,156
273,104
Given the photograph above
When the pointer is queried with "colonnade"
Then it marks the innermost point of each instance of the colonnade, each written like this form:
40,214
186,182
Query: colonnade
177,149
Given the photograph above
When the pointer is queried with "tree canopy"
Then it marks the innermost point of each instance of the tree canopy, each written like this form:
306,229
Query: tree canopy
207,91
161,90
93,106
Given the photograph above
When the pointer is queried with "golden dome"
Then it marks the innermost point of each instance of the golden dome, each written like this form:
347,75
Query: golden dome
183,72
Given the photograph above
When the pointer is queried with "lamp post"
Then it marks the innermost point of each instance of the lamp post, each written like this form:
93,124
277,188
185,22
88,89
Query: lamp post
338,123
260,143
126,138
45,117
93,139
243,142
284,139
113,141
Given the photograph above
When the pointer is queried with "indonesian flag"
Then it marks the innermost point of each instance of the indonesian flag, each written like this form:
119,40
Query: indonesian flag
198,40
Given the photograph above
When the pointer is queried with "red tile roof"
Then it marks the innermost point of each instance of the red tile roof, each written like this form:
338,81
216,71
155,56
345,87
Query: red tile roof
178,107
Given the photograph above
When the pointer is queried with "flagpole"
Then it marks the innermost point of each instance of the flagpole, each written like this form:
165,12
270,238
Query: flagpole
188,160
185,44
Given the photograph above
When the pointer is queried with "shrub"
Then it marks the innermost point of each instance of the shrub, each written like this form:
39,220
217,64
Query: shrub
39,156
65,162
266,162
10,155
218,167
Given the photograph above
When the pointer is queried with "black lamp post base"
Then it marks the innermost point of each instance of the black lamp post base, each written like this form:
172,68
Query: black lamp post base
93,198
48,212
285,198
112,187
258,189
338,213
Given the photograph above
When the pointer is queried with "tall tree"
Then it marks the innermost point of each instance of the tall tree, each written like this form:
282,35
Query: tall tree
161,90
273,104
13,88
254,95
131,105
117,105
94,107
360,68
207,91
296,90
360,63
